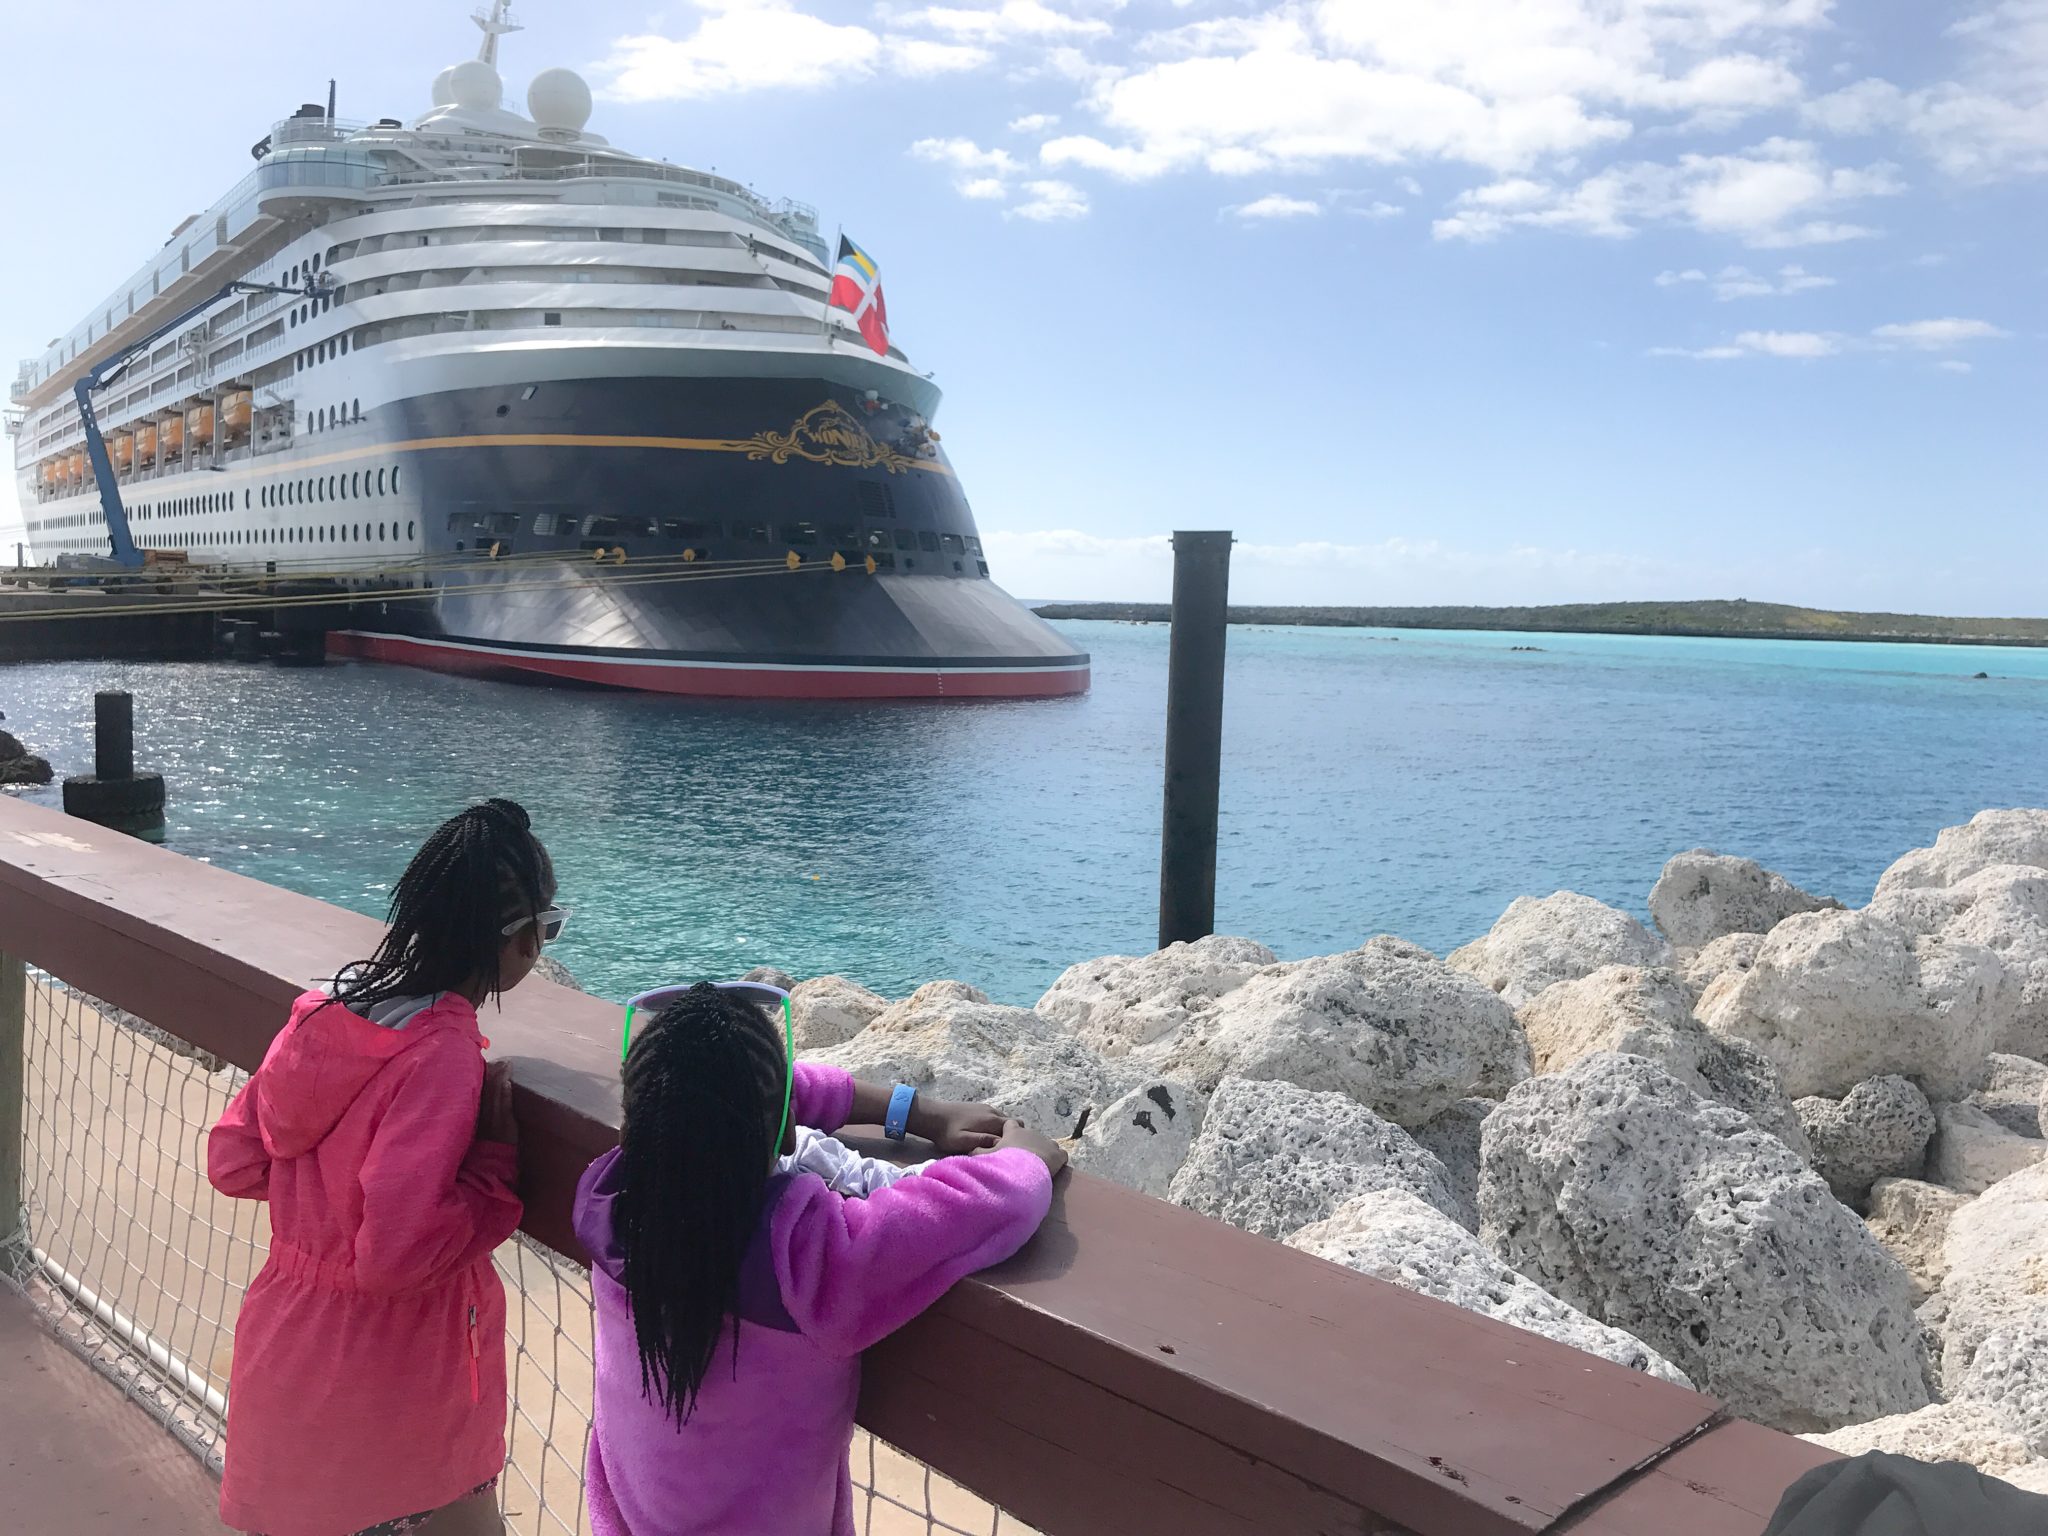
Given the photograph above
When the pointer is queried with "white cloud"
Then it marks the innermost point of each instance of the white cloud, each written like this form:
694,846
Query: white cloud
1920,335
1862,108
979,174
1988,122
739,45
1010,21
1741,283
1938,335
1796,279
965,155
1786,344
1092,154
922,56
1508,87
1048,201
1035,122
1277,205
1953,365
1760,196
1376,210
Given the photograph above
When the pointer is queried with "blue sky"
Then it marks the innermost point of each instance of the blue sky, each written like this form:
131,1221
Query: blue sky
1456,301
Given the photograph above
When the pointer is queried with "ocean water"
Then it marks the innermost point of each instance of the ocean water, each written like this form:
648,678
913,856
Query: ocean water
1411,783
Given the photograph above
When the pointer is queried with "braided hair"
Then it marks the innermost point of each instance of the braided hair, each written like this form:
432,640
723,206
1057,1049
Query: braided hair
703,1099
482,868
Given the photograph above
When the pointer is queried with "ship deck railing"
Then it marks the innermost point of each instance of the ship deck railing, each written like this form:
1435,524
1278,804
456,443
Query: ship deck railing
1138,1369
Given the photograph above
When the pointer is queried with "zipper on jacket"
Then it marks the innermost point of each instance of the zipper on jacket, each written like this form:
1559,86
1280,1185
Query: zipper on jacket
476,1389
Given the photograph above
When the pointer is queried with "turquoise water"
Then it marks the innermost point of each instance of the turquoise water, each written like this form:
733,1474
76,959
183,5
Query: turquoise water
1412,783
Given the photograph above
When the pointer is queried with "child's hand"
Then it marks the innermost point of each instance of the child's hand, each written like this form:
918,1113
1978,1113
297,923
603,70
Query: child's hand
956,1128
1017,1134
494,1120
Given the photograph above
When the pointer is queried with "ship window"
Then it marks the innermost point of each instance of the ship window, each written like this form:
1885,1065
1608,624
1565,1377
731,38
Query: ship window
884,561
245,498
380,482
503,524
928,542
750,533
956,565
984,566
878,538
973,545
689,530
344,345
355,407
599,527
842,537
465,522
551,317
409,531
380,530
394,482
905,539
546,524
953,545
800,534
355,485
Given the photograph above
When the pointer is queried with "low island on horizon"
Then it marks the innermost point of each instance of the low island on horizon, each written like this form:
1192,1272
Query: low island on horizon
1713,618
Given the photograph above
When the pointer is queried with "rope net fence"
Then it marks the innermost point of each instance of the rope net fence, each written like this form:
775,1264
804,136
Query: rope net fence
133,1259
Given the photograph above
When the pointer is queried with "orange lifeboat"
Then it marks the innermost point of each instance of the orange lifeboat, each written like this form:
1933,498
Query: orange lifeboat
173,437
145,443
234,413
121,448
199,425
53,471
76,464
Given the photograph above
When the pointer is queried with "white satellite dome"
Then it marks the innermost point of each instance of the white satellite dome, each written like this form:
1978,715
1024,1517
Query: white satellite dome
475,85
559,98
444,90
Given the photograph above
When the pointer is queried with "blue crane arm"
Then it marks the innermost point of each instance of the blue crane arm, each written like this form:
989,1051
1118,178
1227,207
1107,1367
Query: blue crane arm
110,368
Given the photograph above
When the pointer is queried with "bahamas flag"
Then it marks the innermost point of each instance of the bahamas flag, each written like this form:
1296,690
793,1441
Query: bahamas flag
857,289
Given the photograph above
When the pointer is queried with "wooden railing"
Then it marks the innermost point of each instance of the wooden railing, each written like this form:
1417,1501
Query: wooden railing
1138,1369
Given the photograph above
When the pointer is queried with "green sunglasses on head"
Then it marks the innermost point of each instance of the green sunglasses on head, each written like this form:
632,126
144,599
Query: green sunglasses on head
757,992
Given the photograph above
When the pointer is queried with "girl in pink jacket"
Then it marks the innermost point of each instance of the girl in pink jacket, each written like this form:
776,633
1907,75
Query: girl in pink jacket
368,1387
739,1270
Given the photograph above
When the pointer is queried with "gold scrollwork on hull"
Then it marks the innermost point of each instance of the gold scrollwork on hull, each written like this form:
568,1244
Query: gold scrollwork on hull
829,434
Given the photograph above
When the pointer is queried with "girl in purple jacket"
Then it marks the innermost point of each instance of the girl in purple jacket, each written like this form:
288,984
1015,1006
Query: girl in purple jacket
736,1285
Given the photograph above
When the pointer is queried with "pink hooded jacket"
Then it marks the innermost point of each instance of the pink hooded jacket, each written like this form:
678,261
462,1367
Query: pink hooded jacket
369,1367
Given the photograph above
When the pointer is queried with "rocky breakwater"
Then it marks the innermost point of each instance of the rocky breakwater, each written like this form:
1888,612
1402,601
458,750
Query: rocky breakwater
18,765
1786,1151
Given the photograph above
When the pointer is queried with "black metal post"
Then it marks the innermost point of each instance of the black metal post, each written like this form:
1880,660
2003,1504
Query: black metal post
1194,736
113,736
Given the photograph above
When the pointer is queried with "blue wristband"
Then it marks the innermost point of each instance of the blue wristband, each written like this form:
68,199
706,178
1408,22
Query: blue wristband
900,1102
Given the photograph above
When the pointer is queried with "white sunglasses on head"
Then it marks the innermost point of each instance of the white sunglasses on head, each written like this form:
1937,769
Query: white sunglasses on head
550,922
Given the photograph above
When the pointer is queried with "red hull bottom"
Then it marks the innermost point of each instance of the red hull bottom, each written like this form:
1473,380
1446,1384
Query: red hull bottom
726,680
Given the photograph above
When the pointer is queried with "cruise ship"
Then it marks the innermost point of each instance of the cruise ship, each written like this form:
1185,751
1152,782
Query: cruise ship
543,410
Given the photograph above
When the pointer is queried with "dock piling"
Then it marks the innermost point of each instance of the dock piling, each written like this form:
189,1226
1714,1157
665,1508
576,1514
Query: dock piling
114,795
1194,736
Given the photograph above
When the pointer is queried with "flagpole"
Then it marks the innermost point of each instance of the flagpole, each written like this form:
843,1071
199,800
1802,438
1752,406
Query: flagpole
838,239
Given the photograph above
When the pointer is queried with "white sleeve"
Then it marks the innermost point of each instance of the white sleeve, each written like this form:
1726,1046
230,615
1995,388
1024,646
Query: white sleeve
844,1170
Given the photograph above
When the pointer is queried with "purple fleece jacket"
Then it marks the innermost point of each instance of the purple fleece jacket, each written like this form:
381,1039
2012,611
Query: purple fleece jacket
826,1276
